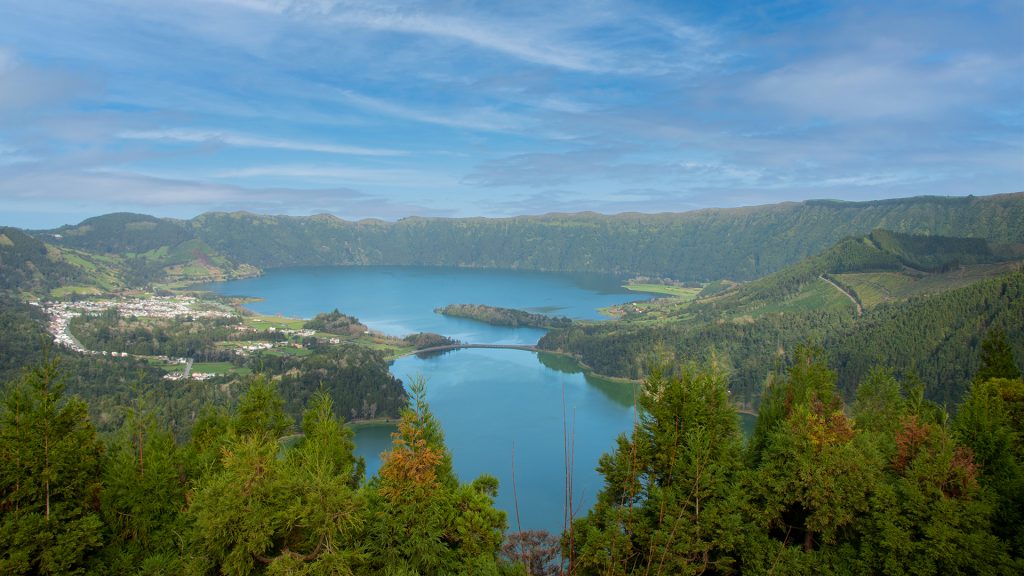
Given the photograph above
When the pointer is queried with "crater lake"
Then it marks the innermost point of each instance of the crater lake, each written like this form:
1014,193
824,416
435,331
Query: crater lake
490,402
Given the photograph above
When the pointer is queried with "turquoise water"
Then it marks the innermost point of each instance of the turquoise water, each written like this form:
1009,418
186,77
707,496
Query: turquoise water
399,300
487,401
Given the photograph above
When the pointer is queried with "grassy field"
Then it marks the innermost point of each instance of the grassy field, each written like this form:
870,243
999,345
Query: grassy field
67,290
218,368
276,322
877,287
204,367
166,367
674,291
818,295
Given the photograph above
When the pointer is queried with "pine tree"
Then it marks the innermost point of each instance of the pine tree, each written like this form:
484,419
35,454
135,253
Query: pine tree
144,493
812,475
996,358
422,520
670,504
259,511
50,477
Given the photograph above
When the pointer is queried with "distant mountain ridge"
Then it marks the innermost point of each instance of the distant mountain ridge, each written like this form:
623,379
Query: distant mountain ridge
736,243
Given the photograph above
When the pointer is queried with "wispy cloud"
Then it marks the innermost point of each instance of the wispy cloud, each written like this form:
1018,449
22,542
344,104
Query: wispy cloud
475,106
247,141
519,44
485,119
862,87
548,34
25,88
122,191
392,177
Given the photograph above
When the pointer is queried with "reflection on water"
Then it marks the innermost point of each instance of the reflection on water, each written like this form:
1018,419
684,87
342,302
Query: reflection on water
487,401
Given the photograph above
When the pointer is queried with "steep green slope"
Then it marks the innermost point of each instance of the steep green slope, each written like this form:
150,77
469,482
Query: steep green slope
914,257
936,337
30,267
752,325
740,243
148,249
122,233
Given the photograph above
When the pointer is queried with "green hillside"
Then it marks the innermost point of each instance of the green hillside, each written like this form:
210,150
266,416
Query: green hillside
32,268
905,318
122,233
738,243
908,264
147,249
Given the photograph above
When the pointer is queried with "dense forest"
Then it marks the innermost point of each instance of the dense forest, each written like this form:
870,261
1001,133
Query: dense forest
887,484
741,243
497,316
934,338
29,265
931,333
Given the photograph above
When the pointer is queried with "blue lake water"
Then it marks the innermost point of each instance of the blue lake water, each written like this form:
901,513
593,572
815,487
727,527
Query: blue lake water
489,402
400,300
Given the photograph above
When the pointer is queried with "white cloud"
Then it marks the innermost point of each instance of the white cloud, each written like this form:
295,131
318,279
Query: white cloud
391,177
247,141
565,36
109,191
484,119
25,88
874,85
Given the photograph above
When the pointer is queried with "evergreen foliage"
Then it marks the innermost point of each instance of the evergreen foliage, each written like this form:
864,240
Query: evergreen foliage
497,316
996,358
892,487
671,501
894,490
51,466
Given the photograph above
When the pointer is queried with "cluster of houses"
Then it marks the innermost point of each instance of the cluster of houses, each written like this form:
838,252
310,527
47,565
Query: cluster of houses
61,313
246,349
303,333
192,376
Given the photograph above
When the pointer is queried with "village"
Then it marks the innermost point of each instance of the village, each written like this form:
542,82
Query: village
61,313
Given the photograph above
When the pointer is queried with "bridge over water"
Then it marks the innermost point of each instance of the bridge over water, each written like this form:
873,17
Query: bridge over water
528,348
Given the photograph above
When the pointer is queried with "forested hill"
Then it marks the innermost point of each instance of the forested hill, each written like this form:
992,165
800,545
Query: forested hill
879,251
869,299
739,243
31,267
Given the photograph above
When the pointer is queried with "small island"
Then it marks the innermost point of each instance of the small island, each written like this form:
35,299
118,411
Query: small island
497,316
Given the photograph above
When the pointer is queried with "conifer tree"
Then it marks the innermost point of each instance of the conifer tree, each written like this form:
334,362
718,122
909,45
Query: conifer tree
144,493
812,476
670,504
929,516
260,512
996,358
988,422
50,477
422,520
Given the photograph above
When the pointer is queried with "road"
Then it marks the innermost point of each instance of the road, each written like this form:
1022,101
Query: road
457,346
860,310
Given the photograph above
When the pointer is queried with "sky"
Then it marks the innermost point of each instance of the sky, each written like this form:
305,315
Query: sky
385,110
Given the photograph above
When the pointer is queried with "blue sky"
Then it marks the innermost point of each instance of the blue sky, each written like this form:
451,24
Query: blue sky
462,108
